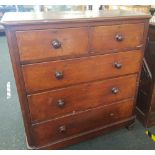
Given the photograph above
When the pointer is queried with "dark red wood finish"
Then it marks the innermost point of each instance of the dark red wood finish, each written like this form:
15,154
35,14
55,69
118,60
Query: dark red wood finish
118,35
40,77
37,44
80,123
44,106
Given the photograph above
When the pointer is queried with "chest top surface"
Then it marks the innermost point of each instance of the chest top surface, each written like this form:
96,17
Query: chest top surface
20,18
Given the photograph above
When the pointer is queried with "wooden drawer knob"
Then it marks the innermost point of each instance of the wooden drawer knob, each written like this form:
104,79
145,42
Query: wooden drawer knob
60,103
115,90
111,114
117,65
59,75
62,129
119,37
56,44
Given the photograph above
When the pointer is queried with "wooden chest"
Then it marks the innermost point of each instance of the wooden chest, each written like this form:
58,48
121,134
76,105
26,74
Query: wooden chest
76,72
146,95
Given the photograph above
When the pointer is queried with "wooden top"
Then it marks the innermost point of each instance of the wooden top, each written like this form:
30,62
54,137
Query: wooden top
16,18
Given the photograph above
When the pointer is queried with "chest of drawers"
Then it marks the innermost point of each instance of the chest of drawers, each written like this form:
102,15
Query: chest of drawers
76,73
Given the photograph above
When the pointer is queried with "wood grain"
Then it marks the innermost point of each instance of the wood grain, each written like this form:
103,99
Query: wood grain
36,18
44,106
79,67
81,122
37,44
104,37
41,76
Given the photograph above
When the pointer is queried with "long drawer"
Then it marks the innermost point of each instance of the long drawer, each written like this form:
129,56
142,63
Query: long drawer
68,126
57,103
56,74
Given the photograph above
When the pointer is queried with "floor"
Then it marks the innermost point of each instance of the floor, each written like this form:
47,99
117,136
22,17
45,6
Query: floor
11,124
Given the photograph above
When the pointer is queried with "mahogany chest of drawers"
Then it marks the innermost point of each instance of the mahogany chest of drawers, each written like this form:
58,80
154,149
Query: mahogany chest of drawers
146,94
76,72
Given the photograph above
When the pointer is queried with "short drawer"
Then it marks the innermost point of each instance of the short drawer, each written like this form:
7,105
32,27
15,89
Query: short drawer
42,44
57,103
78,124
56,74
115,37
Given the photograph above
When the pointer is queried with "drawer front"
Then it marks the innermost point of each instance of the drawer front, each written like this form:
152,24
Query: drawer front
69,100
57,74
68,126
125,36
41,44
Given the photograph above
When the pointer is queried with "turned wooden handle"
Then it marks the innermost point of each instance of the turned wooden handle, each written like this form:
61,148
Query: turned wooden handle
62,129
119,37
59,75
60,103
56,44
115,90
117,65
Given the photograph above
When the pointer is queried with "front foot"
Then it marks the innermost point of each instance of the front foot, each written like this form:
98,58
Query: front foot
131,126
